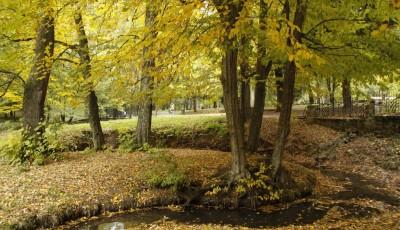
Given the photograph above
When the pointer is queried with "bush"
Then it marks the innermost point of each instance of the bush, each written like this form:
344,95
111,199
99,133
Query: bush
127,141
10,150
164,171
35,149
54,138
28,148
258,186
10,125
217,127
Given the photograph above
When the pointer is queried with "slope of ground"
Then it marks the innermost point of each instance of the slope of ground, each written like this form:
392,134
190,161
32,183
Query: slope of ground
357,185
89,179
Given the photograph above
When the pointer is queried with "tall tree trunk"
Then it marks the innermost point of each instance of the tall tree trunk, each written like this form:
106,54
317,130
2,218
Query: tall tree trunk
235,121
35,89
263,69
93,107
331,82
145,110
288,89
279,88
318,84
311,98
194,104
346,94
229,12
245,91
13,115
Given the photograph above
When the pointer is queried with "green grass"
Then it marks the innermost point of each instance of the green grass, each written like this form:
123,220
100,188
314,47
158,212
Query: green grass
178,122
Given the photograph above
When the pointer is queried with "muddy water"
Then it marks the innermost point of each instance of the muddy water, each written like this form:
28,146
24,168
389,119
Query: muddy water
298,214
304,213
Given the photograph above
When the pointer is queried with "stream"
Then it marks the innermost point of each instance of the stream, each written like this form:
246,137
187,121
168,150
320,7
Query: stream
299,214
303,213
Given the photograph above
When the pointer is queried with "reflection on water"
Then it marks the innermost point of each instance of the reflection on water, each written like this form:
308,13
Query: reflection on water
299,214
112,226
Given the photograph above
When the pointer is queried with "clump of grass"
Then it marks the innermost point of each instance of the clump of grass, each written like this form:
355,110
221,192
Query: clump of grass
124,125
164,171
10,125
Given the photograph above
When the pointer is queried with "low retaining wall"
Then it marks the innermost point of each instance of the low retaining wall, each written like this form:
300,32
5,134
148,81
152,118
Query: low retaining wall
377,123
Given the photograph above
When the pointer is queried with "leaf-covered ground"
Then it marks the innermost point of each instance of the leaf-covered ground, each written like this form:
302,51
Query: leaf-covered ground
357,187
83,179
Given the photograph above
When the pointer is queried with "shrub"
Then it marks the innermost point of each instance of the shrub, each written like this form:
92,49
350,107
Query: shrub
54,138
164,171
34,149
10,125
28,148
258,186
10,150
217,127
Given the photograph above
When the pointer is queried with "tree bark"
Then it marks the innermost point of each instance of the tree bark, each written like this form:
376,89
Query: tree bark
311,98
331,82
194,104
229,12
245,91
288,89
235,121
279,87
93,107
143,128
35,89
346,94
263,69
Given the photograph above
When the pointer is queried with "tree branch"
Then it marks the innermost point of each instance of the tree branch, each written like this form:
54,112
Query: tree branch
333,20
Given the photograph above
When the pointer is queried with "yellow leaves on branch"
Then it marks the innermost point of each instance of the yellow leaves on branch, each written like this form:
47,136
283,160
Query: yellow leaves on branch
302,56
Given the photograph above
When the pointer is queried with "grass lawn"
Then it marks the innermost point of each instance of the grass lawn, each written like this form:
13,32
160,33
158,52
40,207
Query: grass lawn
176,121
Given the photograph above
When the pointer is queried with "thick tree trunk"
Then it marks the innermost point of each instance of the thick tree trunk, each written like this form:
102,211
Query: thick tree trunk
93,107
94,121
229,12
245,100
318,85
194,104
311,98
233,115
284,117
13,115
331,82
143,128
279,88
245,91
346,94
288,90
263,69
35,89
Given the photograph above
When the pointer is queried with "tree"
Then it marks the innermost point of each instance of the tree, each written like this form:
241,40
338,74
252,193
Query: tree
245,78
263,68
288,85
146,82
85,66
331,83
346,94
36,86
229,12
278,83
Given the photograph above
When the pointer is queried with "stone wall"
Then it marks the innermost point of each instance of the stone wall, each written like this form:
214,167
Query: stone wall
377,123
